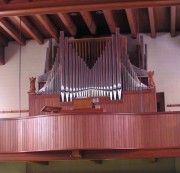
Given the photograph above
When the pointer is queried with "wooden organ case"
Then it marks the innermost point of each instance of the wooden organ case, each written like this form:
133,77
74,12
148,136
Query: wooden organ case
97,69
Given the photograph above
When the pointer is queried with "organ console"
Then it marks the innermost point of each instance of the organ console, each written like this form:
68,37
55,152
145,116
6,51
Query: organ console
93,67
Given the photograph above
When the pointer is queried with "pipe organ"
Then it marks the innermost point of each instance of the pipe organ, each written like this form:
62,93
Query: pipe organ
91,68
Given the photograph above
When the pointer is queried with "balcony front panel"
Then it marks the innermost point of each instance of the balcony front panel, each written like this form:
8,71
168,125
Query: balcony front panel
90,131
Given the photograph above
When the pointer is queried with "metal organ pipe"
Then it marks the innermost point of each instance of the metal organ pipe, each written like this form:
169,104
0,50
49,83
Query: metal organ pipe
80,72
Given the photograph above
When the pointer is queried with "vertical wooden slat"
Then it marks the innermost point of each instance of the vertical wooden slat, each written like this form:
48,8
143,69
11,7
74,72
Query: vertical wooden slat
95,131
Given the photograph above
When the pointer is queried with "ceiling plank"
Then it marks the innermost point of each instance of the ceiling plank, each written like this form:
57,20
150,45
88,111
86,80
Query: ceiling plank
49,7
68,23
132,22
12,31
152,21
33,32
108,14
173,21
45,21
86,15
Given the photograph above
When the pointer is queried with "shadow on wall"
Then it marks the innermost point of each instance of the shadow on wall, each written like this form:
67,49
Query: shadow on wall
14,51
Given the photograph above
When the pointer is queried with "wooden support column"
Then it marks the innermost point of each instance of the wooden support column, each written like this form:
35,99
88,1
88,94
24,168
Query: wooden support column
173,21
152,21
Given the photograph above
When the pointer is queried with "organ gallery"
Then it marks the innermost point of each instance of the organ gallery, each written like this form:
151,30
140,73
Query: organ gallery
94,69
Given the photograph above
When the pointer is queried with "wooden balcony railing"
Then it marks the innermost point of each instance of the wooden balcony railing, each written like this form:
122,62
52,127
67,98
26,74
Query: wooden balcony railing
96,131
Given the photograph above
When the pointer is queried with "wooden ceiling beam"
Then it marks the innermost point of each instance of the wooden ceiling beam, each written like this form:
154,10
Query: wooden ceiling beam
30,29
173,21
132,22
69,24
12,31
59,6
86,15
108,14
152,21
45,21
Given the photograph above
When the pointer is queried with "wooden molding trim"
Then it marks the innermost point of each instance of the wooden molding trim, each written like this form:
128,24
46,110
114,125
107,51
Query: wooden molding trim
95,155
13,111
173,105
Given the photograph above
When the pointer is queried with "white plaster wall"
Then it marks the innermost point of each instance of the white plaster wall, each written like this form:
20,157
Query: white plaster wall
165,165
13,167
32,64
164,59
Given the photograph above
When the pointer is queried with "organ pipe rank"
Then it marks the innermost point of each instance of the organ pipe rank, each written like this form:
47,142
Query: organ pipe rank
91,68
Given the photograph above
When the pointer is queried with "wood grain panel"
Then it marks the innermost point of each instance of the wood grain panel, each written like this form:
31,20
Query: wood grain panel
132,102
37,102
90,131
